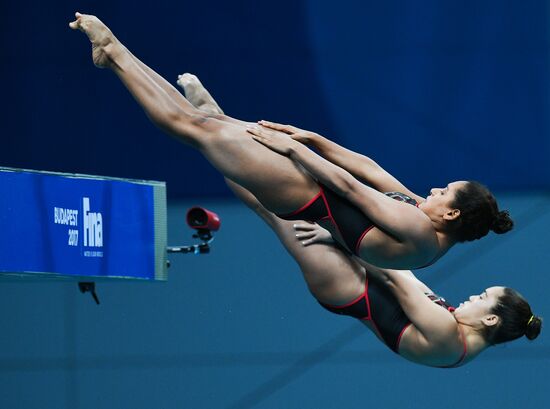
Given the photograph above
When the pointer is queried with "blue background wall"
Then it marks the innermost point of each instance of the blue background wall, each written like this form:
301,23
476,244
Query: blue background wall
435,92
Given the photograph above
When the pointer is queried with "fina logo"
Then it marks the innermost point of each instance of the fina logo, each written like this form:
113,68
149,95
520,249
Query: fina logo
93,225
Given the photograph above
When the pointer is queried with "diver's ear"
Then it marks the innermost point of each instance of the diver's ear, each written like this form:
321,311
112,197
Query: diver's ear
491,319
452,214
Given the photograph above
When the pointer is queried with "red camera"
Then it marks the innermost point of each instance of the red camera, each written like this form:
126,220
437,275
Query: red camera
199,218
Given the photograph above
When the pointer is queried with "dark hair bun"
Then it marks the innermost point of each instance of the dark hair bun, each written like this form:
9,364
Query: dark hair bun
533,328
502,222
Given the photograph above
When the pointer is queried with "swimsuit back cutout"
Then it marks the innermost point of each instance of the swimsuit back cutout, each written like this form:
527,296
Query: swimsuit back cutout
379,306
351,222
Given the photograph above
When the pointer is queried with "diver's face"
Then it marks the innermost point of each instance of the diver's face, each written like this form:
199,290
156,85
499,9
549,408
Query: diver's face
441,199
479,306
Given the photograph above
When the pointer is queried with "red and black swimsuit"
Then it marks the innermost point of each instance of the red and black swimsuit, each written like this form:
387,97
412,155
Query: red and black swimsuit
379,306
351,222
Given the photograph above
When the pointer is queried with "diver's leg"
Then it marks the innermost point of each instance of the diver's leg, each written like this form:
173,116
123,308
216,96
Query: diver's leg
332,276
275,180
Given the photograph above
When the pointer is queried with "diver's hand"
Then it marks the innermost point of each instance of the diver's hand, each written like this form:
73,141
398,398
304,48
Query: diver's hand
300,135
274,140
311,233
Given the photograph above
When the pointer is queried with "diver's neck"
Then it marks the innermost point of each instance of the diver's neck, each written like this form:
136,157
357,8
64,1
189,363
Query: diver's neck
475,342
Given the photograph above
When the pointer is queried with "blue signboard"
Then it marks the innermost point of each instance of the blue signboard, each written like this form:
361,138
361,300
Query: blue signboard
81,226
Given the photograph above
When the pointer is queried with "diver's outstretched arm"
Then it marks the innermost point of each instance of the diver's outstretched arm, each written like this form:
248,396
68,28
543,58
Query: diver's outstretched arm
412,229
360,166
432,321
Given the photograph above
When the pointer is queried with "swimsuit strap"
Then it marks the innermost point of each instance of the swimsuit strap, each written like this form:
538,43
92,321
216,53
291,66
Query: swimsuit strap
442,302
464,347
464,351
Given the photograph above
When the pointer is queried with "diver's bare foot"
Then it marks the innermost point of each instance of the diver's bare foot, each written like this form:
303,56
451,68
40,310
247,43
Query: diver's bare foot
197,95
100,36
191,86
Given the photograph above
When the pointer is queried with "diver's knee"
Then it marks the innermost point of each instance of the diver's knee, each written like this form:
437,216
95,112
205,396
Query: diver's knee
206,121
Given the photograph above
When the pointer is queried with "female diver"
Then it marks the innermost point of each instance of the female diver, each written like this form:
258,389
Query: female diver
370,224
